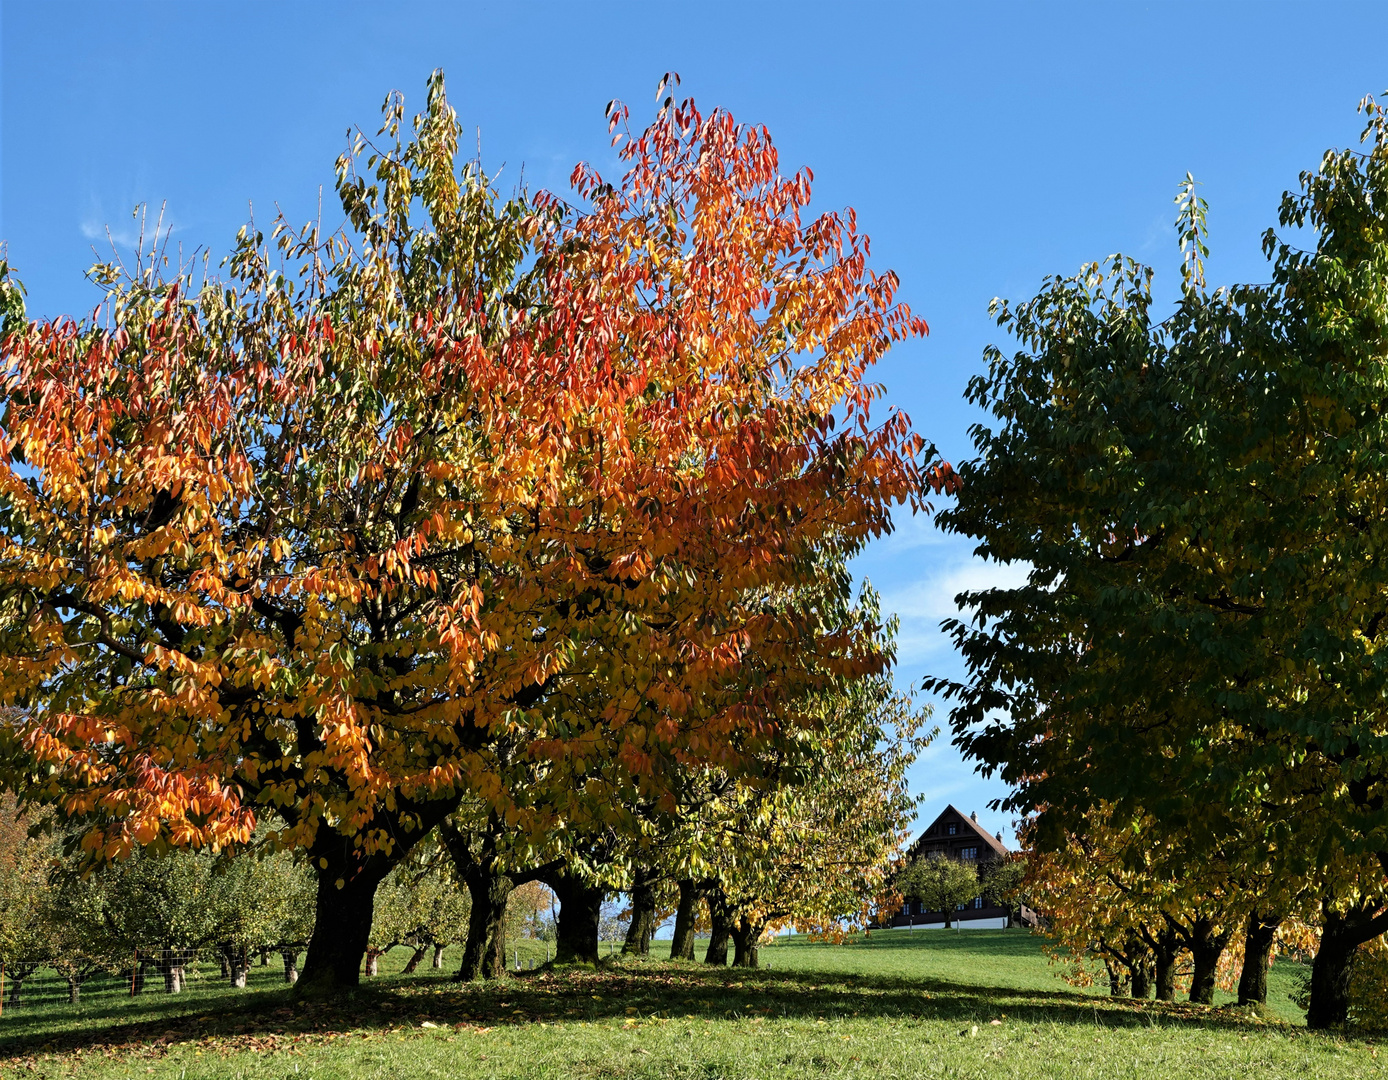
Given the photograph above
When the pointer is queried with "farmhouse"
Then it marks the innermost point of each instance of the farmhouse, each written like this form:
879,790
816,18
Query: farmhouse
957,835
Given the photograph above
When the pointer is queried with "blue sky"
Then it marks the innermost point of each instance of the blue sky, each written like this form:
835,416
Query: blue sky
984,146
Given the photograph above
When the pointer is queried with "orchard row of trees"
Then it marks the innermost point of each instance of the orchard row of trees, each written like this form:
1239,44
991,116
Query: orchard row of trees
1187,695
508,528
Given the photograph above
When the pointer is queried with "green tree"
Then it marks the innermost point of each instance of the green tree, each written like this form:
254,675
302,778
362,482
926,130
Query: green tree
940,883
1200,503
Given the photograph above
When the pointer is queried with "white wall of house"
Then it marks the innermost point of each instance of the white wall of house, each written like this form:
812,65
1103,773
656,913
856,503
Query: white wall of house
1000,923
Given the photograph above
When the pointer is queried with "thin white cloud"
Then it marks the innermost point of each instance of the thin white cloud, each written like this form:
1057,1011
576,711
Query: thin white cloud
924,604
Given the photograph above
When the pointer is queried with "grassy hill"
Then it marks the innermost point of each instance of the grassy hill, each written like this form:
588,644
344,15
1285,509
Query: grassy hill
899,1004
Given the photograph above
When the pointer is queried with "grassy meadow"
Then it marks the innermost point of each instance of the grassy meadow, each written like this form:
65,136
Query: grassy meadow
898,1004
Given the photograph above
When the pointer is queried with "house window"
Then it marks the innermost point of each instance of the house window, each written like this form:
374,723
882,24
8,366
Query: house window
978,902
969,853
959,908
953,829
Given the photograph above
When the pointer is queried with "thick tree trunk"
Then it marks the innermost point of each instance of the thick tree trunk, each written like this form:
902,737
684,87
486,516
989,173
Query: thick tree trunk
137,979
1142,978
74,990
437,963
15,988
342,924
1166,949
1341,935
1206,947
373,962
1258,937
642,929
291,965
721,928
580,912
682,943
484,952
745,935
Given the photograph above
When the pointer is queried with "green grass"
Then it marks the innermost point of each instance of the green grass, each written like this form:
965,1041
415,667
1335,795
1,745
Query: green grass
894,1005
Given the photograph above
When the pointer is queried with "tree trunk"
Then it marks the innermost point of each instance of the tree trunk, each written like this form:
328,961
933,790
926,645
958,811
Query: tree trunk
1258,938
373,962
415,957
682,943
745,935
1118,985
264,957
12,995
1341,936
1206,947
642,929
342,924
484,952
580,911
291,965
1166,949
74,989
235,963
1142,978
721,922
137,980
437,963
171,967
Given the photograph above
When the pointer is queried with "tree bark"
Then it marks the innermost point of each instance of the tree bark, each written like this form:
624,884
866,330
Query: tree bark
1206,947
721,928
642,929
682,943
745,934
415,957
1341,935
346,900
171,967
1118,985
1166,949
1258,937
373,962
74,989
580,911
342,917
291,965
237,965
437,963
484,951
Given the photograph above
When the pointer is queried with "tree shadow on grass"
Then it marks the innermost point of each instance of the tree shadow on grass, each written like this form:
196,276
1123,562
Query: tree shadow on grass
617,990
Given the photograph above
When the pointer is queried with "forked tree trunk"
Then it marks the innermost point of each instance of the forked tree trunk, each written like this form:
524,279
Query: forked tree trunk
1206,947
682,941
642,928
745,934
1341,935
1259,935
1118,984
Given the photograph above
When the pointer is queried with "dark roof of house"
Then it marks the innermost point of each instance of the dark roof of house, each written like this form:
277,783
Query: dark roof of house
970,825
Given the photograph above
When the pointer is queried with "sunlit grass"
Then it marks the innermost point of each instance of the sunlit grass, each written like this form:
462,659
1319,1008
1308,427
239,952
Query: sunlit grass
900,1004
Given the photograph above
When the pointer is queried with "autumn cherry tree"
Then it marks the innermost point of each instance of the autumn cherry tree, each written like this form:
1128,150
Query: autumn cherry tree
306,544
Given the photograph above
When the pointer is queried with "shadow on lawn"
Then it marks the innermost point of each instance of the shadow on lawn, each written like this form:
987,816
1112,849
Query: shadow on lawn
616,990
